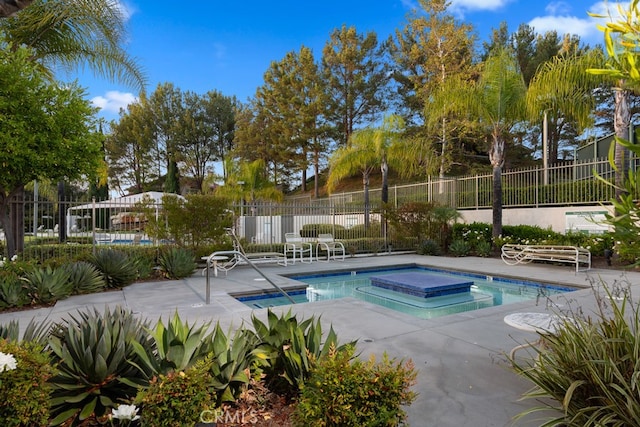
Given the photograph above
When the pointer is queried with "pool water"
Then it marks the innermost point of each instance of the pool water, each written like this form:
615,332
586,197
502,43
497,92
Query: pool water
486,291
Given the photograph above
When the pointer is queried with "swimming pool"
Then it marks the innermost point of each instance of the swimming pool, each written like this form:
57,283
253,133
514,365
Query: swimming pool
486,291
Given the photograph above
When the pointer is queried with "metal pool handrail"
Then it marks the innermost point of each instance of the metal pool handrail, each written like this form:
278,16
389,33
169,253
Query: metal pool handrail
244,257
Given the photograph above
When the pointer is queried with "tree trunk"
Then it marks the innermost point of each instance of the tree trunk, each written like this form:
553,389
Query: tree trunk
5,222
316,173
304,180
621,119
62,217
497,201
384,168
12,220
365,185
496,156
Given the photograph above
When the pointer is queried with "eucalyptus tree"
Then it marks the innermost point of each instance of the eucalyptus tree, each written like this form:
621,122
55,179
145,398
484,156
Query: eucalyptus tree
130,147
203,125
166,105
432,48
370,148
220,115
357,79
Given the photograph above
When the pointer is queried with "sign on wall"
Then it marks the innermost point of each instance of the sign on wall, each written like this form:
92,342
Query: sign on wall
587,222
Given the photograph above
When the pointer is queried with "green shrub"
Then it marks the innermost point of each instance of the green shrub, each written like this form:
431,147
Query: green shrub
475,231
342,392
483,248
24,391
589,366
85,277
178,398
47,285
531,234
116,267
193,222
97,365
143,263
429,247
312,230
176,263
55,254
459,248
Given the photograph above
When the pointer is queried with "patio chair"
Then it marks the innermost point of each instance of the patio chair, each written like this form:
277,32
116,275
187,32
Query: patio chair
297,247
327,243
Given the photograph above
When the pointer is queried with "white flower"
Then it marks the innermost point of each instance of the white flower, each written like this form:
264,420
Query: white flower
7,362
14,258
125,412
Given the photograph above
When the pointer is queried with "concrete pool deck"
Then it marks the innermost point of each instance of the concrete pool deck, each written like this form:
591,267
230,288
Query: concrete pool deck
464,376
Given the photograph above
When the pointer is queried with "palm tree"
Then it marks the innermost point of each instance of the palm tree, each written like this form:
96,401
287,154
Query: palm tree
248,183
621,42
68,35
562,91
497,101
366,150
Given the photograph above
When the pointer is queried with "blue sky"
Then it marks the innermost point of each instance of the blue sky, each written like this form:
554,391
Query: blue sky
227,45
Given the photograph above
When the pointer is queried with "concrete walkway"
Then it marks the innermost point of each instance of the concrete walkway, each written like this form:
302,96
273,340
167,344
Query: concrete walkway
464,376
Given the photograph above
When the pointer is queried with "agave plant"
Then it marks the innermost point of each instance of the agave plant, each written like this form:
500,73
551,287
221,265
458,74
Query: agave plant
233,362
35,332
12,292
116,267
85,277
97,365
176,263
10,331
176,346
292,348
47,285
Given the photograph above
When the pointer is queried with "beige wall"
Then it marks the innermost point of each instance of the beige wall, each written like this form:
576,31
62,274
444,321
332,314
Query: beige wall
556,218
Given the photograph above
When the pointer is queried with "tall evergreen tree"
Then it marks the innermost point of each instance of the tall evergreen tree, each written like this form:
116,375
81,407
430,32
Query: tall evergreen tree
432,48
357,78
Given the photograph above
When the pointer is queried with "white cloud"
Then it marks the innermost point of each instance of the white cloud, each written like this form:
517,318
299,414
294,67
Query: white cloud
475,5
560,19
583,27
558,8
113,101
127,9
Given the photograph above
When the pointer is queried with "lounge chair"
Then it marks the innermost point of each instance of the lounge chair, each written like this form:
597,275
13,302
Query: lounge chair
297,247
513,254
327,243
224,263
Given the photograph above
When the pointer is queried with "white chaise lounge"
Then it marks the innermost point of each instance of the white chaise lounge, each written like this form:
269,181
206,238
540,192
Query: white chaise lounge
513,254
